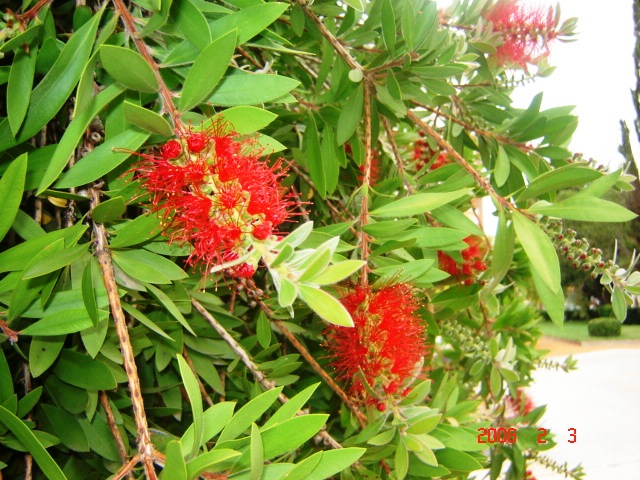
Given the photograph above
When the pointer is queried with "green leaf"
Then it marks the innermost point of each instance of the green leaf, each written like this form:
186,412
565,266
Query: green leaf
128,68
287,293
241,88
248,414
19,87
66,428
401,461
207,462
587,209
257,453
11,189
247,119
192,388
54,89
147,266
326,306
147,119
214,420
495,382
191,22
174,467
26,227
502,168
82,371
48,466
73,134
325,464
339,271
540,251
52,261
249,21
318,261
619,304
356,4
388,21
502,250
263,330
420,203
142,228
553,301
93,337
103,159
6,383
291,408
295,238
457,460
557,179
350,115
19,40
164,299
108,211
313,155
43,352
144,320
291,434
207,70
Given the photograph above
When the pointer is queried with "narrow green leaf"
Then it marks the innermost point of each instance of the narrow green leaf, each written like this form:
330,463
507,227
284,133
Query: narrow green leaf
19,87
164,299
191,22
139,230
339,271
247,119
6,383
257,453
495,382
292,407
11,189
417,204
388,21
249,21
73,134
502,168
291,434
317,263
190,383
557,179
241,88
56,87
263,330
147,119
19,40
619,304
207,70
50,263
82,371
297,237
502,250
539,249
350,115
553,301
324,464
357,4
66,427
587,209
287,293
93,338
401,461
89,290
215,419
208,461
128,67
175,467
103,159
150,262
48,466
314,156
26,227
144,320
326,306
60,323
248,414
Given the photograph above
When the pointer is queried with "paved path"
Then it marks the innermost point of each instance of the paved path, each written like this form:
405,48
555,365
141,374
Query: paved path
601,400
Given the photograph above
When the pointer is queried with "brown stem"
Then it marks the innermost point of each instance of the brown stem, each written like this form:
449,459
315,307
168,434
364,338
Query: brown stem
115,432
250,364
103,254
142,48
126,469
29,14
366,184
11,334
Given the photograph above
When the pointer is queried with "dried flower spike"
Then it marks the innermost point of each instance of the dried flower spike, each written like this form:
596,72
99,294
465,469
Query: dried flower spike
385,348
217,195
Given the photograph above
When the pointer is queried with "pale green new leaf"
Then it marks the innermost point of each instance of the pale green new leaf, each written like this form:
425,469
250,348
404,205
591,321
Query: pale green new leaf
417,204
326,306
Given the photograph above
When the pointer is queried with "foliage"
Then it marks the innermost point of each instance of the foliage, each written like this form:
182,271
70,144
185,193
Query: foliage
158,294
604,327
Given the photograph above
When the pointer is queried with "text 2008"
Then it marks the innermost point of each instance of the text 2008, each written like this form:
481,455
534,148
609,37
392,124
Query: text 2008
510,435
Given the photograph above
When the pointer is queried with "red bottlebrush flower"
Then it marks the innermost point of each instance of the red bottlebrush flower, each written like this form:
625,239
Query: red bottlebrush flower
217,195
472,256
519,405
526,31
374,172
385,346
440,161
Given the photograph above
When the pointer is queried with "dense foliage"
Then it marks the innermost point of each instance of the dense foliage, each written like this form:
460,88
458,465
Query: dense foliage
242,239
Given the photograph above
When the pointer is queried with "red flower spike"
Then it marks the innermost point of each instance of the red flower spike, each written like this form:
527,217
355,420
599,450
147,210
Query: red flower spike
386,344
221,200
526,32
473,260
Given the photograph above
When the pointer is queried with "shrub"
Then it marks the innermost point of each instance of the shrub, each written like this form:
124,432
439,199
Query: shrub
605,327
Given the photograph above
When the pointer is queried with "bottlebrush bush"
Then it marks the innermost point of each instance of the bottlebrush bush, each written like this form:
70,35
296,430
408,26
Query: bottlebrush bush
236,240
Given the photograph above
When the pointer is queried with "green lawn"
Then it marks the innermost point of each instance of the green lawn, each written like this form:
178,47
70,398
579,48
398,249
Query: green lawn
578,331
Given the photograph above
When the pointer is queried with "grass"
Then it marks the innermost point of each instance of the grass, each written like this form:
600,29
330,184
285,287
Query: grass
578,331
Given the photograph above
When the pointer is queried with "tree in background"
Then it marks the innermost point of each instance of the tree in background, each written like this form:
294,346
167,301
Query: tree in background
238,238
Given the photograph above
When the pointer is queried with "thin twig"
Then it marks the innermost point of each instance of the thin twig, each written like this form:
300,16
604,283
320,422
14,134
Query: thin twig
366,184
127,468
115,432
103,254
